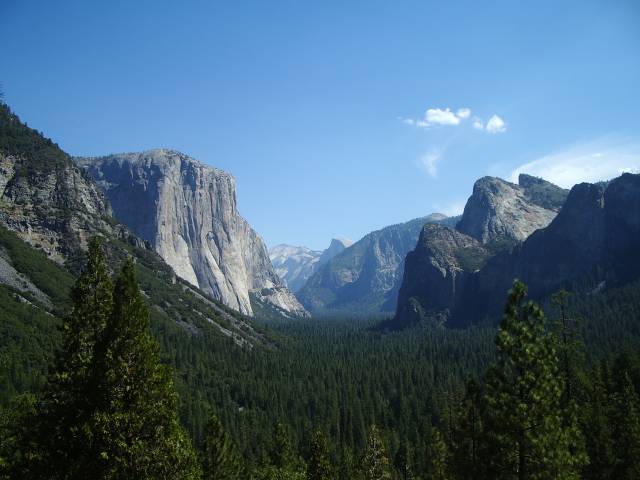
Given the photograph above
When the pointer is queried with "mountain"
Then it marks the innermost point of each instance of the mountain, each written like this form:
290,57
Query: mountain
501,210
365,277
49,208
44,197
435,273
590,245
337,245
188,213
294,265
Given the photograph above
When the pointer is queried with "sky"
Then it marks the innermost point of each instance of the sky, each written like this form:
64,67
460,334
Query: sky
336,117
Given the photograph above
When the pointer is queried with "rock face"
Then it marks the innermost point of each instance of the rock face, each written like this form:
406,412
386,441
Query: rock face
498,216
337,245
46,199
188,212
294,265
435,274
590,245
365,277
500,210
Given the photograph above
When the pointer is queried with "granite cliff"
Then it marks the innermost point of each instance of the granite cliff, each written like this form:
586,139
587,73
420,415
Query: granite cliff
497,217
47,200
188,212
501,210
589,245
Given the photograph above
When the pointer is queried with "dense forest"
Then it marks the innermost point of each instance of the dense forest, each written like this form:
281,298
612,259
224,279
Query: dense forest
541,397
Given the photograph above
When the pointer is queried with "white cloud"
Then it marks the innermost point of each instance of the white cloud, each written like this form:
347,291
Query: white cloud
429,162
463,113
448,117
496,125
437,116
601,159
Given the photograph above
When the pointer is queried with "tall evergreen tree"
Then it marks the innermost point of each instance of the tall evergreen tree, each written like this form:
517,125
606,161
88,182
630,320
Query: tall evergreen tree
64,440
135,425
524,389
468,445
375,463
403,462
597,429
626,431
437,456
283,464
220,459
319,466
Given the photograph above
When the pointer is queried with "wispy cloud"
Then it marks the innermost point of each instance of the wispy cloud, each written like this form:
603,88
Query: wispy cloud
600,159
429,161
451,209
447,117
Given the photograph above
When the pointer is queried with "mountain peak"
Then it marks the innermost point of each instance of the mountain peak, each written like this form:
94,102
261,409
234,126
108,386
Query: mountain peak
498,209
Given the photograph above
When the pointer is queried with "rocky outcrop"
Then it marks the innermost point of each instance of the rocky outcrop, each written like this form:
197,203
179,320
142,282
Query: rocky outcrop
337,246
295,265
188,213
590,245
435,274
500,210
46,199
448,264
365,277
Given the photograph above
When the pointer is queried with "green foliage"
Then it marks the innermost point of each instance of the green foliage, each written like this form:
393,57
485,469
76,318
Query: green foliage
375,463
48,276
38,155
626,431
319,467
471,258
27,337
527,436
108,410
220,461
437,457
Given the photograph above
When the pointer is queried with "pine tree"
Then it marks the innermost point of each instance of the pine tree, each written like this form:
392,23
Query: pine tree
136,428
402,462
526,425
375,464
597,429
467,450
437,454
63,446
220,459
319,467
281,453
626,430
283,464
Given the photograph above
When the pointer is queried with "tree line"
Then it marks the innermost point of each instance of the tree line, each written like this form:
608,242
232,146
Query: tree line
109,409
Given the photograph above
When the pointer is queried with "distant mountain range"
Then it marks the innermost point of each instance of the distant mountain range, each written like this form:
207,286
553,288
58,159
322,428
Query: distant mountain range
365,277
294,265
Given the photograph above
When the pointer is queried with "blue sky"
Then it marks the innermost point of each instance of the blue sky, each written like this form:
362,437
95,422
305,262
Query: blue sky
333,115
